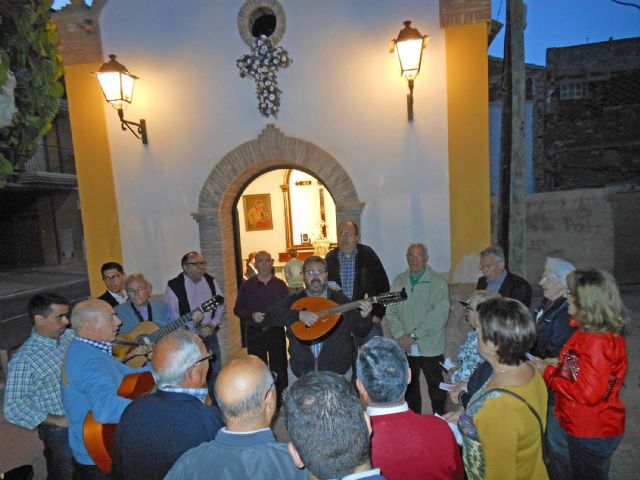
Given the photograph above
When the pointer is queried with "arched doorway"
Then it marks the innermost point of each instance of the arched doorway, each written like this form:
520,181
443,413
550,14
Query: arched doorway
271,149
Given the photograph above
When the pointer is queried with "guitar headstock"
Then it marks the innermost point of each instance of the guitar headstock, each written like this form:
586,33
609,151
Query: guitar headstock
390,298
211,304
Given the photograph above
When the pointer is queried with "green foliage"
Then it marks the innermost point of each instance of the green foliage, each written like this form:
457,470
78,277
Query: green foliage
30,42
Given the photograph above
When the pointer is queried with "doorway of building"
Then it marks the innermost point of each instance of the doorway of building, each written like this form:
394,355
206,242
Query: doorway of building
279,210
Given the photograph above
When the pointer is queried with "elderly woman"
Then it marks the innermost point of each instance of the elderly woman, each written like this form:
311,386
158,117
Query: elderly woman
503,424
587,379
552,316
468,357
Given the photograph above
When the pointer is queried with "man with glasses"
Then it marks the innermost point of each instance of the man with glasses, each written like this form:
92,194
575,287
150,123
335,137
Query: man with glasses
246,447
332,352
140,307
156,429
113,277
192,287
496,278
358,271
254,297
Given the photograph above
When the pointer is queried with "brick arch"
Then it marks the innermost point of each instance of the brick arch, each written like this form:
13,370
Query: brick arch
271,149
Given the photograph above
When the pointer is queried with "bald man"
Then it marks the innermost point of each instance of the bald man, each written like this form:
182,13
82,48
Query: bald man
156,429
91,377
246,448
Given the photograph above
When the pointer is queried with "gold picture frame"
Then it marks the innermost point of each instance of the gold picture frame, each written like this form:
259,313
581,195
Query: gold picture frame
257,212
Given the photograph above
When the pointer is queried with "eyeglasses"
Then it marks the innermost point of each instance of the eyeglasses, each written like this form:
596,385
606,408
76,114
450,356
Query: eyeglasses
209,357
197,264
313,273
137,291
487,267
274,375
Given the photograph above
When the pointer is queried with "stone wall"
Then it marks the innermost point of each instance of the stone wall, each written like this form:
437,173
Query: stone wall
574,225
592,106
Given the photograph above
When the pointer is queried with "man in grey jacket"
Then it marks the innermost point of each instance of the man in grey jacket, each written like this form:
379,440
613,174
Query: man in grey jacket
246,448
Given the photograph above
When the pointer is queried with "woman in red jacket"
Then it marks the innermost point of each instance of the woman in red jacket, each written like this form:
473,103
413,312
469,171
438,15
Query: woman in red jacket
587,379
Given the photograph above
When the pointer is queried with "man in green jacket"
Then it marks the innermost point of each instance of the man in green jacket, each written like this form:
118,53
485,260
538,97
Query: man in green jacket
418,325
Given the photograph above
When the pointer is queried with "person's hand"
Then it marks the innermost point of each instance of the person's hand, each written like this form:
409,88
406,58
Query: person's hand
376,319
405,342
196,318
365,307
205,330
454,393
308,318
452,417
258,317
541,364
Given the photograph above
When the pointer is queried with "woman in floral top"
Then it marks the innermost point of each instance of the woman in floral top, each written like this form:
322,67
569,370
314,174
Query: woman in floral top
468,357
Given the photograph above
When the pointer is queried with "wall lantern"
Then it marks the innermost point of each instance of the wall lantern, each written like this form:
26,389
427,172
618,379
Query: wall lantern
408,48
116,83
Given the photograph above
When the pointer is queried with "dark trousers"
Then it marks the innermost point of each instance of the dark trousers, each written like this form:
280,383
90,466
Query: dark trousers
433,373
270,345
56,451
213,345
591,457
88,472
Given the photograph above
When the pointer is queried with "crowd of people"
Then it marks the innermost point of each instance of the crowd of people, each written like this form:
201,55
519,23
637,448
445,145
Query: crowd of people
535,395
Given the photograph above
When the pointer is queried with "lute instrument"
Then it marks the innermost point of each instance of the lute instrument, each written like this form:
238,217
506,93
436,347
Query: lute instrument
330,312
98,437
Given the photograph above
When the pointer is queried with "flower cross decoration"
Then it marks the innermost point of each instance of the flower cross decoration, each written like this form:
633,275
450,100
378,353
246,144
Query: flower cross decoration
262,64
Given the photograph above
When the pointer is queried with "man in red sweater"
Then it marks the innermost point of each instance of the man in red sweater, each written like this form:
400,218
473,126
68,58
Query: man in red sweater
404,445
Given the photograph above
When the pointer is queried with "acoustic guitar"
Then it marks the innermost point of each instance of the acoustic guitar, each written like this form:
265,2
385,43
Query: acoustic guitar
150,333
98,437
329,312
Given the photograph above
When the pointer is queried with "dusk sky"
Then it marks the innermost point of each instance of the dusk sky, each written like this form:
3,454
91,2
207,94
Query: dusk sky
559,23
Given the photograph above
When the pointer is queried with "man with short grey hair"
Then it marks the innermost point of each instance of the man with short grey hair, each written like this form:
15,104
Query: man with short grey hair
383,375
246,447
496,278
418,325
155,430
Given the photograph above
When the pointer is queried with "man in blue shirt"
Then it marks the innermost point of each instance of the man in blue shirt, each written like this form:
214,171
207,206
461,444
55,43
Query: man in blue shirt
91,377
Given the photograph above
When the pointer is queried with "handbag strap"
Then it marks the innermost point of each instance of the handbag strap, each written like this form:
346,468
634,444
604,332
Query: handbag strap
515,395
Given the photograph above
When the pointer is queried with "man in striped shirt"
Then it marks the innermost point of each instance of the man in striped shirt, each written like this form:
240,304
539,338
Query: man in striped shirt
32,395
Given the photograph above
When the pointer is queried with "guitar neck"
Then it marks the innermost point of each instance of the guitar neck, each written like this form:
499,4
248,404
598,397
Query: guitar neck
170,327
343,308
383,299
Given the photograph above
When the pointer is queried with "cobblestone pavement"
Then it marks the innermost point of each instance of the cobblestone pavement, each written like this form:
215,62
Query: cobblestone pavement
19,446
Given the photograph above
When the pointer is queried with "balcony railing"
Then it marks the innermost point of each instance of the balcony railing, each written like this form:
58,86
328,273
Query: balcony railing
48,158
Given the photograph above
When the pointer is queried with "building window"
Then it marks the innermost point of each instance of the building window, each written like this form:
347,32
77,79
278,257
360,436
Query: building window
572,89
262,17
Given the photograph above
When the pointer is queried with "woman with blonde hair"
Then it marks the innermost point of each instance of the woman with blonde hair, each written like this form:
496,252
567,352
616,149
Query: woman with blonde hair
587,379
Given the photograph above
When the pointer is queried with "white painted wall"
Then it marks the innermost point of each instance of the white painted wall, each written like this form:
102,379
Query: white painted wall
342,93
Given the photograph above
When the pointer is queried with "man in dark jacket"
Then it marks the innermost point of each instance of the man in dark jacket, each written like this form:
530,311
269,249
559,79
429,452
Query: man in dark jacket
113,277
332,351
358,271
497,279
156,429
